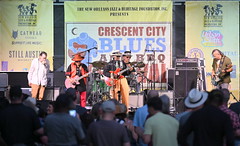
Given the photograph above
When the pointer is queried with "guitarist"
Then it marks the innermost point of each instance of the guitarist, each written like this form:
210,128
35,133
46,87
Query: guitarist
77,68
121,84
221,68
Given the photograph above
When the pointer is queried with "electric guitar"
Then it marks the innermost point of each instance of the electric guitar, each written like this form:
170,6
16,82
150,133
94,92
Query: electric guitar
216,79
219,75
118,72
76,79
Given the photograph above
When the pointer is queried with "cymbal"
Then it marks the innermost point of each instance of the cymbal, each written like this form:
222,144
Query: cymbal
140,64
133,63
98,64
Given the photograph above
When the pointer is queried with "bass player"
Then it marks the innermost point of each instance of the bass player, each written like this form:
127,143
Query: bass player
221,68
115,71
77,70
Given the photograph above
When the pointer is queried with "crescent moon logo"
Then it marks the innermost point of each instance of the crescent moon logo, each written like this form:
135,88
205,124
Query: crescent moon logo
73,31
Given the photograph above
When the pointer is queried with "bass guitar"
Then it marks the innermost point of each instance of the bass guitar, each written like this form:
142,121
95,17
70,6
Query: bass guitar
218,77
76,80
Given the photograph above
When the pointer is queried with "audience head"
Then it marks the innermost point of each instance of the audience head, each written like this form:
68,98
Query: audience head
108,107
96,110
31,102
150,94
165,103
215,98
63,103
121,111
226,95
195,99
72,92
154,105
15,93
50,108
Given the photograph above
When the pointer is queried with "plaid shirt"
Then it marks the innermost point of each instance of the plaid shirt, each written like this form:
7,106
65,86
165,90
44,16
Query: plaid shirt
233,116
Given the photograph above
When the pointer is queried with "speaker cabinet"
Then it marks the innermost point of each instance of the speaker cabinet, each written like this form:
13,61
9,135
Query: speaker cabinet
184,81
52,93
59,79
3,79
170,78
135,100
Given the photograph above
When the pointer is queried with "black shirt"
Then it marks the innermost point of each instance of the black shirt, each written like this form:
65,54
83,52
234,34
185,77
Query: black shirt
18,123
210,127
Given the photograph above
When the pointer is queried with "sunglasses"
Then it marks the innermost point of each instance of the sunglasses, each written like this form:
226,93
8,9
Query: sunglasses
77,61
128,57
118,56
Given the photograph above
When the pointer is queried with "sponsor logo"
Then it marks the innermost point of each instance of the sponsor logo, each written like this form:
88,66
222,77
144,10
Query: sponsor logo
14,34
27,15
212,38
213,15
195,53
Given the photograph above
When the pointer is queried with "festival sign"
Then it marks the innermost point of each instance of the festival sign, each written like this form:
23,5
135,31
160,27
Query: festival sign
100,28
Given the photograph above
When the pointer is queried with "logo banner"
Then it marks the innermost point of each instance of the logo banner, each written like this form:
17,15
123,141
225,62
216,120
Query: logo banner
26,29
100,28
214,25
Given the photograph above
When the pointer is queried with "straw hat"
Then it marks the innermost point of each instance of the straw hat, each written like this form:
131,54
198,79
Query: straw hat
116,53
195,98
127,53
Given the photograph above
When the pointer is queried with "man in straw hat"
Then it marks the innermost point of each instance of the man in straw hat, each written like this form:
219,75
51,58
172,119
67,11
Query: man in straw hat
79,69
194,101
210,126
120,85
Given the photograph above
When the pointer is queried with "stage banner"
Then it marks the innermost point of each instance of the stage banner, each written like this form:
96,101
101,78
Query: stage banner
100,28
214,25
26,29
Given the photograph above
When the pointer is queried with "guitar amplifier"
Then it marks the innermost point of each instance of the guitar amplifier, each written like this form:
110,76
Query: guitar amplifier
3,80
187,63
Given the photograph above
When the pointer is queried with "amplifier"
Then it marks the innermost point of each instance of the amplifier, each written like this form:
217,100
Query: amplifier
187,63
3,80
136,100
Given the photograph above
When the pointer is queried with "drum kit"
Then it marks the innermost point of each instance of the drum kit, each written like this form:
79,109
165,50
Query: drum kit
99,91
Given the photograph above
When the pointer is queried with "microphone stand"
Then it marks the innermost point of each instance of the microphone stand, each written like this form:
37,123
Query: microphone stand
88,78
153,70
233,96
88,51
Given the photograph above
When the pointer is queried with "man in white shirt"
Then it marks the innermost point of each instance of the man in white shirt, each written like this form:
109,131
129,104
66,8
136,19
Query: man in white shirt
37,75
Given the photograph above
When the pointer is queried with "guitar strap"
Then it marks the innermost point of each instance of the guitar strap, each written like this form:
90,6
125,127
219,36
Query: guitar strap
80,68
220,64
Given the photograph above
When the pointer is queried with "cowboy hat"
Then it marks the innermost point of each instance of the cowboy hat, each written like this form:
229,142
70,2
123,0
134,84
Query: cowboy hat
127,53
116,53
77,57
195,98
